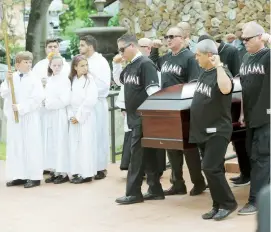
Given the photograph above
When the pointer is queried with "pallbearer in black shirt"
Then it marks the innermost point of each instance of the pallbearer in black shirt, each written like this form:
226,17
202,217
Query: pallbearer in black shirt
140,80
211,126
179,67
230,58
255,81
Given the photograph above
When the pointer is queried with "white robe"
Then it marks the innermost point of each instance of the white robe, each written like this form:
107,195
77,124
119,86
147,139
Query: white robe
41,68
120,102
82,136
100,70
55,138
24,143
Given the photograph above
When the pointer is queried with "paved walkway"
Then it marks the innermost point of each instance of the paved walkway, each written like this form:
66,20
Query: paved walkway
91,208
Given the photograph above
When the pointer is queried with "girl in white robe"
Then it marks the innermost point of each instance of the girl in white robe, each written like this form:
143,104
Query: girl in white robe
55,134
24,144
82,130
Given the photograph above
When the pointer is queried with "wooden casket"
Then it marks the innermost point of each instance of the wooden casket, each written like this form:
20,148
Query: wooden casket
166,117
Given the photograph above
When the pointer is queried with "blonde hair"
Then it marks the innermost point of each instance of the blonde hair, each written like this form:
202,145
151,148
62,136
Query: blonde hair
53,56
24,55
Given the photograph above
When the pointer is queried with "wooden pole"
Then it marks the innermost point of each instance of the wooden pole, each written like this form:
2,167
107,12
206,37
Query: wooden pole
5,33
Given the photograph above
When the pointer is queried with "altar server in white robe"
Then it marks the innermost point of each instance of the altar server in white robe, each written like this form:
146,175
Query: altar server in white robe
100,70
24,165
41,68
82,129
55,138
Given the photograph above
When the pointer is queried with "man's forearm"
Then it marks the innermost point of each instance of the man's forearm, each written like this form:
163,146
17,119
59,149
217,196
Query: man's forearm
223,81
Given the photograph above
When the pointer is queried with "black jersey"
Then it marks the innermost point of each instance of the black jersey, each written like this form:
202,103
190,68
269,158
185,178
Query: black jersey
137,77
229,56
210,112
255,81
176,69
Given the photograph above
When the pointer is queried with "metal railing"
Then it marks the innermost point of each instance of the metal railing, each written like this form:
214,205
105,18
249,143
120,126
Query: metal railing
112,108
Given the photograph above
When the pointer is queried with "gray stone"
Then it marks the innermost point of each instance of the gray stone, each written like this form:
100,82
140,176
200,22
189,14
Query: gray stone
232,4
170,4
218,7
187,8
231,14
186,18
215,22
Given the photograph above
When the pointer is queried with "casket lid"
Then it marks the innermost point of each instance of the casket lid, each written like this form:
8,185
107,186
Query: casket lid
185,91
177,97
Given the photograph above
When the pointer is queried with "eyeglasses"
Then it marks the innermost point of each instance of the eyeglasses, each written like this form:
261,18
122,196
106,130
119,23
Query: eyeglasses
123,49
249,38
171,36
144,46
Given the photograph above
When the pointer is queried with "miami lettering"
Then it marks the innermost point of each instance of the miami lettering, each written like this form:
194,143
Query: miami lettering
172,68
131,79
252,69
203,89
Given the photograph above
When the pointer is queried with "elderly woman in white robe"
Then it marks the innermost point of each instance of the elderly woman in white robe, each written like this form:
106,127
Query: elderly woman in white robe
82,131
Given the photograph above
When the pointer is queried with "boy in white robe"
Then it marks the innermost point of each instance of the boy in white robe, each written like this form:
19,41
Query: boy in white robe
41,68
24,144
55,137
82,129
100,70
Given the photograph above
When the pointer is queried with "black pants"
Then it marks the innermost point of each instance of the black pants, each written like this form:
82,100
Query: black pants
242,156
176,159
213,152
126,154
258,148
126,151
139,162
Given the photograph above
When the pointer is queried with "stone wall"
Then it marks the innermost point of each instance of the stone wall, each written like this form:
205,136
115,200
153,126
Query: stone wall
152,18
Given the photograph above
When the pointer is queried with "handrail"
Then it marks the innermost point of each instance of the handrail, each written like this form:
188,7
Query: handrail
112,109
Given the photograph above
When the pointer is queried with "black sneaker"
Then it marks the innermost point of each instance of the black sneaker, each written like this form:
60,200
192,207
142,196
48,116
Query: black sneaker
248,209
243,181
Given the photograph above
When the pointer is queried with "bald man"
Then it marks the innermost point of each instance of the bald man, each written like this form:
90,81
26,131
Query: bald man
145,45
178,67
255,81
187,31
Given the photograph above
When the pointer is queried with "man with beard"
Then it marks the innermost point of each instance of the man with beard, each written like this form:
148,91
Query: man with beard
178,67
255,81
100,69
230,58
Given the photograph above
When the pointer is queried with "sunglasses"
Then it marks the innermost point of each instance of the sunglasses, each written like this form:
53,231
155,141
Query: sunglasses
123,49
249,38
171,36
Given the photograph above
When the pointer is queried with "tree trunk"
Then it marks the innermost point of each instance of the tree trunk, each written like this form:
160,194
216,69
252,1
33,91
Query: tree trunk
35,28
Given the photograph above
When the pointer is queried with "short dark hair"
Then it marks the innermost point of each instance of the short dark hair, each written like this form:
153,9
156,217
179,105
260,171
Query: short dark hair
128,39
203,37
51,40
90,40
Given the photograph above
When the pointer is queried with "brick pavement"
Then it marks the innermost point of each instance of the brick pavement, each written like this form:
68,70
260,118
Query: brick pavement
91,208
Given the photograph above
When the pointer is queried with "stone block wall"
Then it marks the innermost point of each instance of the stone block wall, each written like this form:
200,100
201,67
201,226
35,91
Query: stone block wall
152,18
